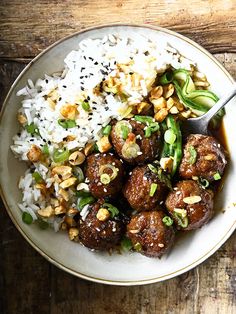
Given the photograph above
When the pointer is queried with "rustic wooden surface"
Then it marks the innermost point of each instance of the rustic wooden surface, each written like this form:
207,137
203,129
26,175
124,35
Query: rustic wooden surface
28,283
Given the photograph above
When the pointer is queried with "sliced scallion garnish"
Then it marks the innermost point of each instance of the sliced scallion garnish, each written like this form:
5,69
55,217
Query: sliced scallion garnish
85,201
45,149
124,131
37,177
61,155
106,130
85,106
27,218
112,209
138,247
193,155
32,129
167,221
169,136
166,78
217,176
67,123
105,178
144,119
126,244
153,189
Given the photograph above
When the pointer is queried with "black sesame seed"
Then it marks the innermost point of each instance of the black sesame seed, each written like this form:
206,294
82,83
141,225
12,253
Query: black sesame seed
91,74
86,76
46,81
18,134
90,114
88,98
94,102
64,86
49,142
103,72
96,63
85,58
115,61
31,140
106,108
78,126
81,87
82,69
85,100
44,140
99,123
131,73
59,98
94,108
91,58
89,119
84,129
81,77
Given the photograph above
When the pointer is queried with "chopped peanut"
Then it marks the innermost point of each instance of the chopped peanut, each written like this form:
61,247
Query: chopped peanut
88,149
156,92
34,154
170,103
178,104
143,106
46,212
76,158
69,111
103,214
51,103
70,138
186,114
70,221
64,171
166,163
54,202
21,118
72,211
168,90
64,194
161,115
68,182
73,234
174,110
210,157
60,210
159,103
42,188
103,144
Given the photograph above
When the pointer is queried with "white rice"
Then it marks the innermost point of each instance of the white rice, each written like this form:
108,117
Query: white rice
85,68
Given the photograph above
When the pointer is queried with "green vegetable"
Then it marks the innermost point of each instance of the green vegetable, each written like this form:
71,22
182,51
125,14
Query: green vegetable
85,201
126,244
106,130
166,78
45,149
37,177
204,182
173,148
167,221
182,220
42,224
217,176
105,178
85,106
67,123
152,168
153,189
199,101
112,209
27,218
124,131
193,155
153,127
138,247
144,119
169,136
32,129
82,193
61,155
78,173
163,177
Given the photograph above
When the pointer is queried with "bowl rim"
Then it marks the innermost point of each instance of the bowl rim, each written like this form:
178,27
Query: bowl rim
47,256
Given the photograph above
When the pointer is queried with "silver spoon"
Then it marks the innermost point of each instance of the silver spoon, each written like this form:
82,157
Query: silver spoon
200,124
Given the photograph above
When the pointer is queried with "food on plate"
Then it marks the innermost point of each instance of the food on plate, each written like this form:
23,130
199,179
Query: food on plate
103,142
151,233
203,157
190,205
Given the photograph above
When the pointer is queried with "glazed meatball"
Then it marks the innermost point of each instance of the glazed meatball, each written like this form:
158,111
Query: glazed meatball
149,235
203,157
105,175
98,230
190,205
138,192
136,148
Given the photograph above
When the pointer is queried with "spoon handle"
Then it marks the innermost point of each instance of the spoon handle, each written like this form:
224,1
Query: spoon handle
220,104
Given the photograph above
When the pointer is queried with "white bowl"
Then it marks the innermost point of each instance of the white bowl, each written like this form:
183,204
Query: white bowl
130,268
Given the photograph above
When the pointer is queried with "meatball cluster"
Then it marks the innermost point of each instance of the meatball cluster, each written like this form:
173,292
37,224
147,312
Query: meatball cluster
153,210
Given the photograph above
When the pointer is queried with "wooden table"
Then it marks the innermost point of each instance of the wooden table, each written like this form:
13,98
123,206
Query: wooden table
28,283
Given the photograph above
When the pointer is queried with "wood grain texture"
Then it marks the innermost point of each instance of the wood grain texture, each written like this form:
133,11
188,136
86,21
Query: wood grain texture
29,284
27,27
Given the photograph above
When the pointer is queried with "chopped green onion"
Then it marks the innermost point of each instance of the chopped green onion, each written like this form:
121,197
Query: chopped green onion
105,178
144,119
106,130
37,177
67,123
204,182
27,218
153,189
163,177
166,78
138,247
153,127
193,155
45,150
42,224
167,221
124,131
182,220
82,193
85,106
85,201
78,173
152,168
112,209
32,129
126,244
217,176
61,155
169,136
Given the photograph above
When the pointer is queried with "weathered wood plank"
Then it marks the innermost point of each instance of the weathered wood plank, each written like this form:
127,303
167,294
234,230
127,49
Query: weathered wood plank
29,284
29,26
